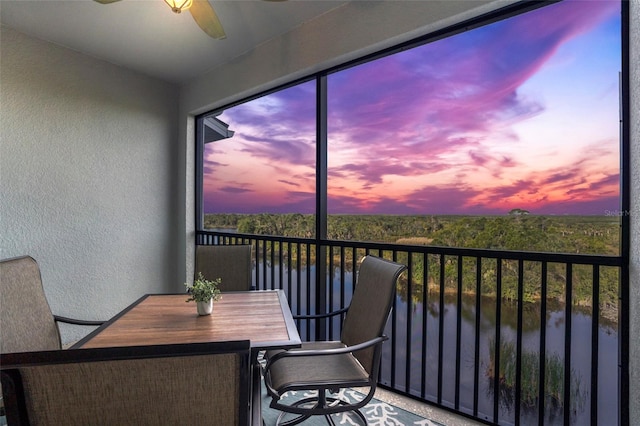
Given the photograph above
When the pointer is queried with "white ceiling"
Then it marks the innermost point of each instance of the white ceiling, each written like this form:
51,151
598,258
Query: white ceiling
146,36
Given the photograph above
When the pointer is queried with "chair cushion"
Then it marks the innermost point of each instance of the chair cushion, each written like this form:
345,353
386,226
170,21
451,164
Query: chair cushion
315,372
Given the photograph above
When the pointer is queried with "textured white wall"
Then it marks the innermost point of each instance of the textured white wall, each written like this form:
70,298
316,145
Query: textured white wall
634,302
89,167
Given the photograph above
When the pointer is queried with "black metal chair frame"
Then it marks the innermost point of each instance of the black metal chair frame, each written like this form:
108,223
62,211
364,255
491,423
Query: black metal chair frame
323,404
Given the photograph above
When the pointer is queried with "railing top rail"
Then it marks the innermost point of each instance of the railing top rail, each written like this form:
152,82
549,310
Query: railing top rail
280,238
575,258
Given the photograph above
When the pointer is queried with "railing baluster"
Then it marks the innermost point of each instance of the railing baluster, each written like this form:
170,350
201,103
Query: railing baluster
425,315
595,328
299,280
280,267
342,283
257,258
331,283
518,393
458,333
567,345
309,290
441,329
476,352
273,263
264,263
409,332
496,356
543,344
394,334
289,273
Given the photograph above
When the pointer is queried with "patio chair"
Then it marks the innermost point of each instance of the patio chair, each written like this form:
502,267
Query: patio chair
230,263
330,366
181,384
26,320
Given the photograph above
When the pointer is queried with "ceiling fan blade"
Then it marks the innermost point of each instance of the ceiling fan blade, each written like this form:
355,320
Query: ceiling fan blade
105,1
206,18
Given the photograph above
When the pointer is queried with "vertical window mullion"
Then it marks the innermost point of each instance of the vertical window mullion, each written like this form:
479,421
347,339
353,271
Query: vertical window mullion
321,201
199,173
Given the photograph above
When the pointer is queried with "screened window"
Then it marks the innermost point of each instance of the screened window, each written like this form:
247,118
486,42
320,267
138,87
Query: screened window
259,158
505,136
516,118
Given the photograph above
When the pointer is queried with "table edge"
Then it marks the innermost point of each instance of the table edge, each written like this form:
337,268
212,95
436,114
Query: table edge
292,329
88,337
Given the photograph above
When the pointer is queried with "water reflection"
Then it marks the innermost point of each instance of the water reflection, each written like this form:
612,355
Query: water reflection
555,329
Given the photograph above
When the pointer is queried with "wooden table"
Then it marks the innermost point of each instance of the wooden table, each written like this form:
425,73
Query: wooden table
263,317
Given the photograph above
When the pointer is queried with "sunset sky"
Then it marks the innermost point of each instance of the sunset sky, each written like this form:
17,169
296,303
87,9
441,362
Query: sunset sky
522,113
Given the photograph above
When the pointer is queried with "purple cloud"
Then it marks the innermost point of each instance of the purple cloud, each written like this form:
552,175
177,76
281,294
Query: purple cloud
291,151
234,190
253,202
286,182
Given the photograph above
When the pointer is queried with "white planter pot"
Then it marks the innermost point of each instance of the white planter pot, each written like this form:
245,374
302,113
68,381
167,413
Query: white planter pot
205,308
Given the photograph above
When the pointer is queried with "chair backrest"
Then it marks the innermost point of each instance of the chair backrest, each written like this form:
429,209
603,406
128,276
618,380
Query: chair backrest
230,263
186,384
26,320
370,305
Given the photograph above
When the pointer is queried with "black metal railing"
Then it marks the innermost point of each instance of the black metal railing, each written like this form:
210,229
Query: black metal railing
504,337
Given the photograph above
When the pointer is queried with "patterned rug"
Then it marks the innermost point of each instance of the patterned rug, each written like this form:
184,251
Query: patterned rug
377,413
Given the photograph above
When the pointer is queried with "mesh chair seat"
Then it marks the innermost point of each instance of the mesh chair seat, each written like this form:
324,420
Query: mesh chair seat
318,372
230,263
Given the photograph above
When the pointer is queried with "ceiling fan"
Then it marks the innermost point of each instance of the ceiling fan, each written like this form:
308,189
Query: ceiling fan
202,13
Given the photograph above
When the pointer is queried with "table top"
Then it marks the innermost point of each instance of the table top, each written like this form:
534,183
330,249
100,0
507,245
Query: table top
263,317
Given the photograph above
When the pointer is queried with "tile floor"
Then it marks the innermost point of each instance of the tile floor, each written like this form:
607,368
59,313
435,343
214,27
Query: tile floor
443,416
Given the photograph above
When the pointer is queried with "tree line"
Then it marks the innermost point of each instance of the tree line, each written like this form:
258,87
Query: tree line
556,234
519,231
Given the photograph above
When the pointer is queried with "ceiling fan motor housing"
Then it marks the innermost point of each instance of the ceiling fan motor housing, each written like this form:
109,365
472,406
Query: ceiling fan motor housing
177,6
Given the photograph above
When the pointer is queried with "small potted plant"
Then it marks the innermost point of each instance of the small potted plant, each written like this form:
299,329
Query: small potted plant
204,292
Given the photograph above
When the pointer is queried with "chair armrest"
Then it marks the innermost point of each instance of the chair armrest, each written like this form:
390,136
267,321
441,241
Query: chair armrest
326,315
324,352
77,321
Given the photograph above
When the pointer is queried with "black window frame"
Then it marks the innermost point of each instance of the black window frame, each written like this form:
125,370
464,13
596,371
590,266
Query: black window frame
467,25
479,21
